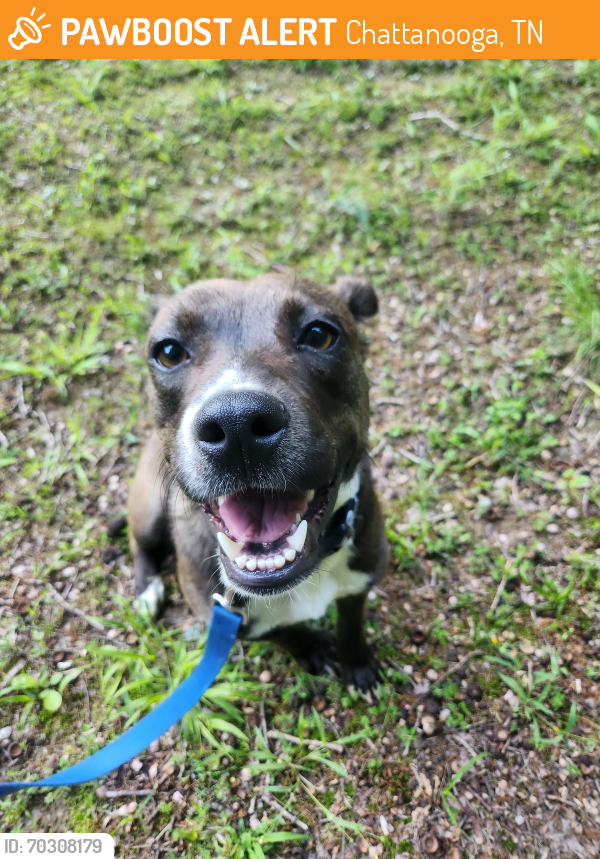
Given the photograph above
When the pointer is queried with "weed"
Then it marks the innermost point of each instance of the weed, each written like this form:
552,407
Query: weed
252,843
46,690
84,82
63,359
447,797
537,697
581,302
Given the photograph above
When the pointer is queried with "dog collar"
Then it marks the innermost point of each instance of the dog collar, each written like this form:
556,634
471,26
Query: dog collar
341,526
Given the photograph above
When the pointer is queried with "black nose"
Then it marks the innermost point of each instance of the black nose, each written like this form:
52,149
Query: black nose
241,426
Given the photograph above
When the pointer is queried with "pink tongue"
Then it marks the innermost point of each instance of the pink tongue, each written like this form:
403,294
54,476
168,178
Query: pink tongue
256,518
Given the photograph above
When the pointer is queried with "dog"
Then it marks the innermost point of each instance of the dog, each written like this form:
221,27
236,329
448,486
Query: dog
257,472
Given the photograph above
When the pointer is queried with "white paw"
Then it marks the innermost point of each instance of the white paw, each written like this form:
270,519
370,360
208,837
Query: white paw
150,601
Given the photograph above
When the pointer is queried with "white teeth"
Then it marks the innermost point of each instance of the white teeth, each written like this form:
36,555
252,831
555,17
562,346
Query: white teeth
310,495
297,539
298,518
270,562
221,499
231,549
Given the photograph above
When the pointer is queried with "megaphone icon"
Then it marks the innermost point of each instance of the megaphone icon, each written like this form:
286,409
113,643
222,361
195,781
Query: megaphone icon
26,32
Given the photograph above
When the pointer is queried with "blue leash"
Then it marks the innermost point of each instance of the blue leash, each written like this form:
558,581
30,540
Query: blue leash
224,625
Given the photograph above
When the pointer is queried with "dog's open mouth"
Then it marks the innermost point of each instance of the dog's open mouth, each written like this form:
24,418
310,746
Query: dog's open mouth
265,536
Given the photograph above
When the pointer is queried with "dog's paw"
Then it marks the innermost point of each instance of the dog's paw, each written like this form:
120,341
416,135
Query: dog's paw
319,652
363,678
150,601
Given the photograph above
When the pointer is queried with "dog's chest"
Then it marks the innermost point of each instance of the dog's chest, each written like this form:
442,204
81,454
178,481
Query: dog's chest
309,600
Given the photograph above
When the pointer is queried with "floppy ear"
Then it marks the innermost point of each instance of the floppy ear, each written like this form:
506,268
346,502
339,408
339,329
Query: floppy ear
358,294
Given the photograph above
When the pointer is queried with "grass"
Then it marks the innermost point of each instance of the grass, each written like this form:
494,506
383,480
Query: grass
582,306
124,180
62,360
134,680
451,807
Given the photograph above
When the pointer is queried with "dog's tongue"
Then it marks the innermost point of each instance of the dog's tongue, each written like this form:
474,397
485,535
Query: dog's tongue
256,518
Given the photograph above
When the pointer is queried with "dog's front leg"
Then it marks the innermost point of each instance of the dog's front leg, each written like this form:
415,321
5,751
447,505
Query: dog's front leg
149,531
360,669
312,649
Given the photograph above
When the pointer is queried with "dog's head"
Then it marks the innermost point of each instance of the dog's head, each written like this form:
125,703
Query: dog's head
261,402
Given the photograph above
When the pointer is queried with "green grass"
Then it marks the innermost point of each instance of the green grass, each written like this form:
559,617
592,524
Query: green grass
134,680
124,180
62,360
581,299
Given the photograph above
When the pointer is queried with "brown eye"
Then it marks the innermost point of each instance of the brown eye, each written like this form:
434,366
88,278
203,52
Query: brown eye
319,336
170,354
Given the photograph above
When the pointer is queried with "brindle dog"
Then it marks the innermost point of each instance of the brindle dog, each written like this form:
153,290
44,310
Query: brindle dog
257,472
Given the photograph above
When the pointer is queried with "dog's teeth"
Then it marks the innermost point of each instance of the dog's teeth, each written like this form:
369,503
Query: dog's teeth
289,555
310,495
279,561
241,561
221,499
298,539
261,564
231,549
298,518
269,563
251,564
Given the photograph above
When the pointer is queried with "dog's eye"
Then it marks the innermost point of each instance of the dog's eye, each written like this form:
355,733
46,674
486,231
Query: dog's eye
170,354
319,336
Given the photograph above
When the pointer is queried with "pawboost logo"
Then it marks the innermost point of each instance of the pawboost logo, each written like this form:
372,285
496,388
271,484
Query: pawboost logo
27,31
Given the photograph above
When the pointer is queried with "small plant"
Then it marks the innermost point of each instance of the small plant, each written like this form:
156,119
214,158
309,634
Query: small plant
581,303
45,690
85,82
447,797
251,843
59,361
586,151
296,764
556,597
537,696
349,202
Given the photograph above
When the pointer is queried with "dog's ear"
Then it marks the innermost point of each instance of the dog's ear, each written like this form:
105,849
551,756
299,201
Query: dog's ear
358,294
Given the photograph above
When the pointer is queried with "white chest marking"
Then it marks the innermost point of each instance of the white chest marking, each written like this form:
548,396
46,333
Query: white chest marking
347,491
309,600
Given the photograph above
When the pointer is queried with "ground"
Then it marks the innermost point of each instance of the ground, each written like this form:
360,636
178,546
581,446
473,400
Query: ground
468,192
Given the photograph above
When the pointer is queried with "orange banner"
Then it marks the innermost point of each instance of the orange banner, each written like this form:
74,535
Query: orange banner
294,29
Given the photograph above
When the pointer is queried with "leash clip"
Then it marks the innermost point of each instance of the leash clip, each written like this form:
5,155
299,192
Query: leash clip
224,601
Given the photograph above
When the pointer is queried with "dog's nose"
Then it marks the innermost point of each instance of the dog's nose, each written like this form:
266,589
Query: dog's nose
246,423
